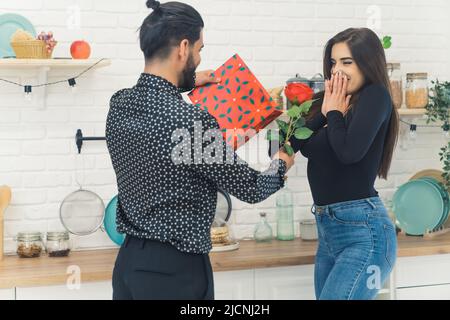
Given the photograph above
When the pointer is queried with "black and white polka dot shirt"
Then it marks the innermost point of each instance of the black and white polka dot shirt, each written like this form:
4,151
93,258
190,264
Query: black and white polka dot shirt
166,200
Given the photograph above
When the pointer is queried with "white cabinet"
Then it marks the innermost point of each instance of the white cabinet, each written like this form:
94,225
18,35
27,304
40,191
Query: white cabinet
87,291
7,294
234,285
423,271
286,283
438,292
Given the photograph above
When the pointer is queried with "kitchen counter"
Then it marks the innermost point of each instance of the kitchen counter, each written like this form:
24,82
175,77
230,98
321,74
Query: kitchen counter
98,265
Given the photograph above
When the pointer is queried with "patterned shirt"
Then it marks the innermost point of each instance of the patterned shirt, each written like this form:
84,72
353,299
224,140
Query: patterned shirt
168,198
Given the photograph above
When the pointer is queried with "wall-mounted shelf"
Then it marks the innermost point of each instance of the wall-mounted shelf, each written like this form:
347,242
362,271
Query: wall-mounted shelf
52,63
411,112
45,65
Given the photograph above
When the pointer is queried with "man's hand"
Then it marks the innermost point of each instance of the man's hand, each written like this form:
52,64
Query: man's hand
205,77
284,156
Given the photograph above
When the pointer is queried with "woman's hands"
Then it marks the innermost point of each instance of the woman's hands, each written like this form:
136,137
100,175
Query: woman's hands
336,97
205,77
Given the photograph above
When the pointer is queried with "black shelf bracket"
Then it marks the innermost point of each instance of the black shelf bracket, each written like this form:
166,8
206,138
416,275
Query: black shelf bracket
79,139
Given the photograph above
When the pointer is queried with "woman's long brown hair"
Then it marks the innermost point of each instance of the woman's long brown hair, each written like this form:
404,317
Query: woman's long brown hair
368,54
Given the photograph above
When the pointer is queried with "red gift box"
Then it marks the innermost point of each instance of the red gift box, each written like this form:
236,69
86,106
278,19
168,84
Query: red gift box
239,102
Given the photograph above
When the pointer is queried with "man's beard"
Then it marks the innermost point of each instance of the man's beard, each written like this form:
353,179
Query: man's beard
187,77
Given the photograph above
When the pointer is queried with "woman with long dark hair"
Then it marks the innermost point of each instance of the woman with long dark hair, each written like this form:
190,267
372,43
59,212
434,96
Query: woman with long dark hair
355,131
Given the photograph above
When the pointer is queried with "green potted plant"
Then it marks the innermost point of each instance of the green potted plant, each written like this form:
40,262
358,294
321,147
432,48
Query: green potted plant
438,110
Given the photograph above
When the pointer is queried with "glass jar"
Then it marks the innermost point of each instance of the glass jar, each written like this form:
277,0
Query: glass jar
58,244
308,229
263,231
285,214
317,83
29,244
395,78
416,90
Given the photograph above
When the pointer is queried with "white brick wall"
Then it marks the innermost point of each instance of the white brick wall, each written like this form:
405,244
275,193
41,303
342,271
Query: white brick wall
276,38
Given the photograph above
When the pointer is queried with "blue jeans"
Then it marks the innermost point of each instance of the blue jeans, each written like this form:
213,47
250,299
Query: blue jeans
357,249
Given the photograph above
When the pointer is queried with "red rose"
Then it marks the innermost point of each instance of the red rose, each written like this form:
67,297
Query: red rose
298,92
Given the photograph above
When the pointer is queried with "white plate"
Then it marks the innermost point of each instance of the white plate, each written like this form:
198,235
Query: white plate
229,247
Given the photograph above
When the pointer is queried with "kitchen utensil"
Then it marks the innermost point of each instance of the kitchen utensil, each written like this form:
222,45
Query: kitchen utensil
437,176
82,212
109,223
418,207
445,198
5,199
223,208
9,23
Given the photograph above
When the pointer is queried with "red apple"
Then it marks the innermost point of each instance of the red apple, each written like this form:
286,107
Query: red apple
80,49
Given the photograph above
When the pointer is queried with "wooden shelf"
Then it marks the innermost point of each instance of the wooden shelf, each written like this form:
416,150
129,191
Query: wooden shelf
44,66
411,112
52,63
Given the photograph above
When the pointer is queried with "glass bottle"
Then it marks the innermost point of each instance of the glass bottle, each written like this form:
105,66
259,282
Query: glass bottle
263,231
395,78
285,214
416,90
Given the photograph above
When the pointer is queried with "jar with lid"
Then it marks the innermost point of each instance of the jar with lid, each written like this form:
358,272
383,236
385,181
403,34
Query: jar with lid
317,83
285,214
29,244
416,90
308,229
58,244
395,78
263,230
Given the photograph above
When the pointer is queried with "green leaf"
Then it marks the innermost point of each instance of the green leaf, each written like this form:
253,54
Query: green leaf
227,82
240,118
252,101
289,150
238,89
240,108
222,115
229,110
216,107
305,106
303,133
250,92
230,120
247,112
283,126
245,82
238,80
244,97
300,123
294,112
215,98
205,99
263,99
229,91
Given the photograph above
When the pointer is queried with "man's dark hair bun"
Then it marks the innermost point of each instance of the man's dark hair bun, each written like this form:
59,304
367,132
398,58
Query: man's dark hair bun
153,4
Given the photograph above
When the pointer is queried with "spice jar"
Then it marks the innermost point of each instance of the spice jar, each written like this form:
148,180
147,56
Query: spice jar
308,229
29,244
395,78
416,90
58,244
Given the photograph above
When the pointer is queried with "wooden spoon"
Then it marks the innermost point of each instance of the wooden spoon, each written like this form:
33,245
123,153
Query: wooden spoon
5,199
